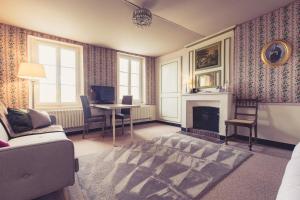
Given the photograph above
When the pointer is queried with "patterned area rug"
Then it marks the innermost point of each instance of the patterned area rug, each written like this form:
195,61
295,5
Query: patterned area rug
176,167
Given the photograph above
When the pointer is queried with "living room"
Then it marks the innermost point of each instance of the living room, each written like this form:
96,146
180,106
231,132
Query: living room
148,99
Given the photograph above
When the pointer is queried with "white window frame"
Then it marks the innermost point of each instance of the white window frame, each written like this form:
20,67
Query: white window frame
142,78
33,43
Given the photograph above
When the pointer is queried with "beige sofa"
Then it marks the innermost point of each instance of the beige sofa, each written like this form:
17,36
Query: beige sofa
290,185
35,164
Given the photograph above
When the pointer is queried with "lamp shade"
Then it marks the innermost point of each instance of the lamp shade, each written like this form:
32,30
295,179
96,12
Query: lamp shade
31,71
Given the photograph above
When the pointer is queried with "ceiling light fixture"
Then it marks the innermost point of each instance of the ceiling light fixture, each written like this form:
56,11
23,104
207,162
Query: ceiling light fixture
142,17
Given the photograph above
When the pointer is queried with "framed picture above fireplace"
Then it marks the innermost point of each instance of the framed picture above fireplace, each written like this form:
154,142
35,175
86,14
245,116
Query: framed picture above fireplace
208,57
208,80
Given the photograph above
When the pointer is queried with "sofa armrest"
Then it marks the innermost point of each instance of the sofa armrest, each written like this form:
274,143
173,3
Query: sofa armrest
53,119
30,171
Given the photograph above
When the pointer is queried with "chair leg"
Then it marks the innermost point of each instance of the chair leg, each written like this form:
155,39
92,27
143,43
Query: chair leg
122,126
104,123
84,131
250,139
110,122
255,131
235,130
226,134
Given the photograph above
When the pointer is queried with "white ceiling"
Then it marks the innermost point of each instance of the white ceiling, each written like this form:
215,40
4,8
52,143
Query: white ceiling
207,17
108,22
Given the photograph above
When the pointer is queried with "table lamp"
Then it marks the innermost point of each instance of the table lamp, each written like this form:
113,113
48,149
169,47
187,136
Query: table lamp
32,72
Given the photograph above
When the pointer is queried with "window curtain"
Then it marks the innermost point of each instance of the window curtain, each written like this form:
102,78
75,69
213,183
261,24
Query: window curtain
13,50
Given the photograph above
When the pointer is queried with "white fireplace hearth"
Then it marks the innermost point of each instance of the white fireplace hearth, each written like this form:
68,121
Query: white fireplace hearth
221,100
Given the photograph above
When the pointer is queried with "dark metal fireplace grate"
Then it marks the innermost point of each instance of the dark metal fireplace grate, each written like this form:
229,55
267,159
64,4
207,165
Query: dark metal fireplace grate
206,118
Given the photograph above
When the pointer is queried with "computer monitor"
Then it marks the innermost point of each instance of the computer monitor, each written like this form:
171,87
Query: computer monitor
104,94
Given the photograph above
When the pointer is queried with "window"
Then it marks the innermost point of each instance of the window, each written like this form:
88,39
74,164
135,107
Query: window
62,62
130,73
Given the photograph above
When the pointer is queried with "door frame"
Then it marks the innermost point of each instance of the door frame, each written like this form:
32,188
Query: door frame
175,95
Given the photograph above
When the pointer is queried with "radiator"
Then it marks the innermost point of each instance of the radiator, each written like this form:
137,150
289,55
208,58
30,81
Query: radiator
73,118
143,113
69,118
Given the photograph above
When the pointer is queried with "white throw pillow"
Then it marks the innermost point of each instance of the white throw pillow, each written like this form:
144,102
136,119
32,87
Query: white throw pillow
39,118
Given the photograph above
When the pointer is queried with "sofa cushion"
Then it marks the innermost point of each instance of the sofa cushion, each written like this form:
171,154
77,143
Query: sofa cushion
4,121
48,129
36,165
287,192
6,125
296,152
292,173
290,186
37,139
19,120
3,133
39,118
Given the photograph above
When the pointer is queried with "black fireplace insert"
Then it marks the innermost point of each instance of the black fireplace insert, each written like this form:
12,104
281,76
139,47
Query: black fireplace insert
206,118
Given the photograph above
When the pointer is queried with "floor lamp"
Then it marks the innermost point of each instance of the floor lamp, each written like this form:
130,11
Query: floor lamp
32,72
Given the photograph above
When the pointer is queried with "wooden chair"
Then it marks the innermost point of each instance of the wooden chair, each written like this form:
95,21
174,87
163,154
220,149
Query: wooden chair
249,104
125,112
88,117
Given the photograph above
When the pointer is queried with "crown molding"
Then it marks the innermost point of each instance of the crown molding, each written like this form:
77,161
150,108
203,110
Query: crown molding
211,36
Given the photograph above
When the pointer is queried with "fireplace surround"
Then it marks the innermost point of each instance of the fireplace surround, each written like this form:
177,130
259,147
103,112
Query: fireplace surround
219,100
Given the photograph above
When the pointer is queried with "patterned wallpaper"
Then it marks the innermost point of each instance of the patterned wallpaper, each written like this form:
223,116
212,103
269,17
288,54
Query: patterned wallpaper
13,91
251,77
100,66
150,81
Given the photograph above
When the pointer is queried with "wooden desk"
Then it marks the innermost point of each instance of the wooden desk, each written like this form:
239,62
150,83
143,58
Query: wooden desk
113,108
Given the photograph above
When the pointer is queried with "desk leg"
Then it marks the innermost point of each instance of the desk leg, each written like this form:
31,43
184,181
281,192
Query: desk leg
114,126
131,124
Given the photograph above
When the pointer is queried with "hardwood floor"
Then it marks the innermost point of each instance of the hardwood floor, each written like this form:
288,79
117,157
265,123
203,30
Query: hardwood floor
95,142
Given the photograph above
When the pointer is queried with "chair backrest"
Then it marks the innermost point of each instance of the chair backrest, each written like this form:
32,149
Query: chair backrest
128,101
246,104
86,107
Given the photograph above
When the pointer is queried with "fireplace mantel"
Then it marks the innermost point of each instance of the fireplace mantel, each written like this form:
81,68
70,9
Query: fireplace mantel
221,100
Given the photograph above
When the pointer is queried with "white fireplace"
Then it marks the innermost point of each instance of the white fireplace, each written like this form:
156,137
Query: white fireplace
221,100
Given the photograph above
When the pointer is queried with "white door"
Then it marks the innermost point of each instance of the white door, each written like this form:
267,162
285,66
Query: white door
170,91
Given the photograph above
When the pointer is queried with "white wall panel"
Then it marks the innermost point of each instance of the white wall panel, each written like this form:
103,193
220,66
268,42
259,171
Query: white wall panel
169,108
